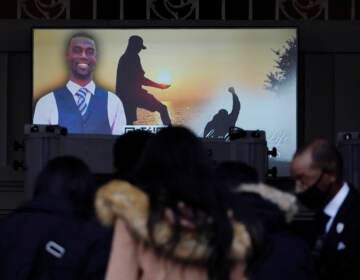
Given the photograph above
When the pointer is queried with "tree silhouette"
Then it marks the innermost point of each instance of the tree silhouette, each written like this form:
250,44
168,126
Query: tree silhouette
285,67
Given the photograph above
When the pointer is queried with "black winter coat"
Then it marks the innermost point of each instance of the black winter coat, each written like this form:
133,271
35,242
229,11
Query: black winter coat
46,239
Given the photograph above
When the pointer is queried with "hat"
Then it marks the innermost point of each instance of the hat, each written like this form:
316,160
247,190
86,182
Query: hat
136,41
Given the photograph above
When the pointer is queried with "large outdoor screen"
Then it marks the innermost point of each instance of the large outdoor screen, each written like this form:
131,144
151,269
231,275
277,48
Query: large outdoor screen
208,79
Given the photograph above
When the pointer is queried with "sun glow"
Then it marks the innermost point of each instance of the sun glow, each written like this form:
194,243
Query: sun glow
164,78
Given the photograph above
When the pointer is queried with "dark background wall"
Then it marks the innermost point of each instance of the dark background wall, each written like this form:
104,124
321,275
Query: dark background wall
329,59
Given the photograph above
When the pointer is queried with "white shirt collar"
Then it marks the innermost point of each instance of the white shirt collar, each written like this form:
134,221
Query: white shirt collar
333,206
73,87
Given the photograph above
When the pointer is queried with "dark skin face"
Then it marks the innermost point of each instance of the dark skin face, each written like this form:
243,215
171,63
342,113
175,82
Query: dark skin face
305,174
81,58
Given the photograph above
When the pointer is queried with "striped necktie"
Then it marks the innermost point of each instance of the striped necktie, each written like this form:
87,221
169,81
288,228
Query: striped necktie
81,103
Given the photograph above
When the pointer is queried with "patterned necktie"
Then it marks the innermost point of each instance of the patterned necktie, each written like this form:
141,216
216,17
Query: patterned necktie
81,103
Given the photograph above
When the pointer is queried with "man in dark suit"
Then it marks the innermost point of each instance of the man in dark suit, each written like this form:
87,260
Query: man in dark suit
317,171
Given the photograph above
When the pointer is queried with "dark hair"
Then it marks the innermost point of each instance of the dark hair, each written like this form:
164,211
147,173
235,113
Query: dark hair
77,35
324,156
69,179
233,173
127,150
174,167
248,208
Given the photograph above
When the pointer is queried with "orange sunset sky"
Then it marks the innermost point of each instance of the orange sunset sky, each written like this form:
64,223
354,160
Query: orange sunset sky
197,62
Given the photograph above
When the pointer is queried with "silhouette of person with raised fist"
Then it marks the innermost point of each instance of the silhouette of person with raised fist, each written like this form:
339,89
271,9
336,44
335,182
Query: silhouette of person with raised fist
219,126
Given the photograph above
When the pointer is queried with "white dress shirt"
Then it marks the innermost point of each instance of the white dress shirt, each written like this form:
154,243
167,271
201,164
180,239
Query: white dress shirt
333,206
46,111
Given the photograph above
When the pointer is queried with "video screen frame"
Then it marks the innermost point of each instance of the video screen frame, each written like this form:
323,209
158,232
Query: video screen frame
204,27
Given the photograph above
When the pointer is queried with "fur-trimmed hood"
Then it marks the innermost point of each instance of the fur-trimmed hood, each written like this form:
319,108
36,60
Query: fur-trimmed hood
120,199
286,202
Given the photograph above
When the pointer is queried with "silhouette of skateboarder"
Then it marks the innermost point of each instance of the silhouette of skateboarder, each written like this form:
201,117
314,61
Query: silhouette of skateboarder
129,81
219,126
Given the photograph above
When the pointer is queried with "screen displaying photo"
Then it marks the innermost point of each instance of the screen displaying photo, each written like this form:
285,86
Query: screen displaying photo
207,79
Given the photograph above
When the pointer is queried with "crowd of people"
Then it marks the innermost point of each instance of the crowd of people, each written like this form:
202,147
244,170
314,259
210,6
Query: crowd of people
169,212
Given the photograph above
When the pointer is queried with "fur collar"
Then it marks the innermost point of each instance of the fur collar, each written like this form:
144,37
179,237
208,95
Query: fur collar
286,202
120,199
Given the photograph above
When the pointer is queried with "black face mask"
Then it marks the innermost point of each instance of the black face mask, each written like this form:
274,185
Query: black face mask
313,197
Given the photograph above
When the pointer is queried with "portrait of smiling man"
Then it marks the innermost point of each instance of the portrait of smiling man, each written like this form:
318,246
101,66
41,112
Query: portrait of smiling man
81,106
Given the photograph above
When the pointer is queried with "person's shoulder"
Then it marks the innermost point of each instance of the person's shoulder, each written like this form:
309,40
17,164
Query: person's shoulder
113,97
287,241
51,93
45,99
354,193
354,203
351,205
97,227
48,95
92,231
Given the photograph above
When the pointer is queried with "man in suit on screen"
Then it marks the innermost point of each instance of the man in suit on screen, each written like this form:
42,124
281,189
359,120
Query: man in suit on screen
81,106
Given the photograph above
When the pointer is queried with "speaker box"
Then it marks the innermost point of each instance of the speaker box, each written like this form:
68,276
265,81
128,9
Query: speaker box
250,148
348,144
43,143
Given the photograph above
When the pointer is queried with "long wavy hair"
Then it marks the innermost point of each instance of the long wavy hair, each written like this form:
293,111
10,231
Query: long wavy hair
175,168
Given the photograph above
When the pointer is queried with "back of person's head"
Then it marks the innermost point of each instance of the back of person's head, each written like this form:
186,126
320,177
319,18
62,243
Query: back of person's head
232,176
234,173
174,157
127,150
68,179
175,165
325,156
175,168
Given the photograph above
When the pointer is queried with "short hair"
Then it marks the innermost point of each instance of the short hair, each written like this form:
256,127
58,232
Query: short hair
69,179
324,156
78,35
